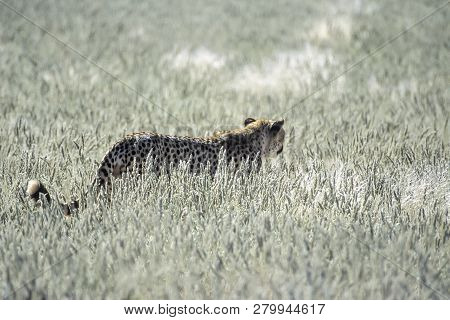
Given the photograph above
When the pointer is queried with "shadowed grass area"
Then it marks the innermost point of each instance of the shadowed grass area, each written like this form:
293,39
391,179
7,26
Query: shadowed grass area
357,206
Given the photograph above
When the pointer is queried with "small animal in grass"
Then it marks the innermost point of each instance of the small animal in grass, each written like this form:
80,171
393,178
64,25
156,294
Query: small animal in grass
258,139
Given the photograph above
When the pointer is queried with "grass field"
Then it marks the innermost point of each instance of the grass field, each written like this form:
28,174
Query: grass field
357,207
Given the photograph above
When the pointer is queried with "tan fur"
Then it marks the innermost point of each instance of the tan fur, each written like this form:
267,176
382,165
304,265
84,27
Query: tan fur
35,189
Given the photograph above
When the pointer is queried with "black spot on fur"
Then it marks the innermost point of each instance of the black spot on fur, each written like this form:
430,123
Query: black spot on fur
105,173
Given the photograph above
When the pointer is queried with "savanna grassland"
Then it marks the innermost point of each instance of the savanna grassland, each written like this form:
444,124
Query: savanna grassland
356,207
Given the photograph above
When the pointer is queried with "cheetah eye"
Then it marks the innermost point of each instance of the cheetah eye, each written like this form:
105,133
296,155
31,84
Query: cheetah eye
276,126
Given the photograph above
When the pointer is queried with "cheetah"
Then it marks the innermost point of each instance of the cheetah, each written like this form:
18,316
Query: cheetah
258,139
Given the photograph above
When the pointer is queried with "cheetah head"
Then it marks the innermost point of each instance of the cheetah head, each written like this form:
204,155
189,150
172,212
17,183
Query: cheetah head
272,133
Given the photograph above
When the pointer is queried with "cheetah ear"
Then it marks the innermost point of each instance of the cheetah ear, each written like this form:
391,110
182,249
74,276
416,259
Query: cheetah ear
276,126
248,121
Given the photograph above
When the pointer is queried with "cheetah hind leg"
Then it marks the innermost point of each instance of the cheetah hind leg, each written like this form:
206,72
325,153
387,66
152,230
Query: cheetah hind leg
107,172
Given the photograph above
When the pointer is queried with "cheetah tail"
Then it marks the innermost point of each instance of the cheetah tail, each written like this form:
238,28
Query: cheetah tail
36,189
